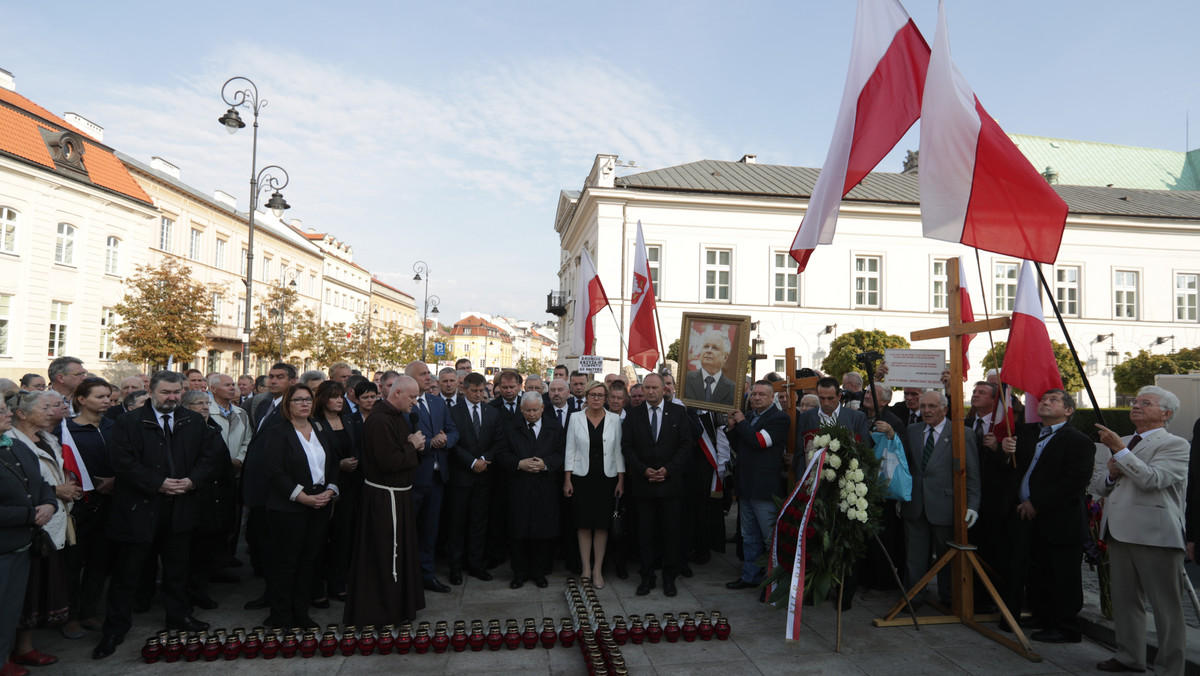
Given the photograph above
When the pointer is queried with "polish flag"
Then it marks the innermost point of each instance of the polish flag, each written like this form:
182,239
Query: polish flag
589,299
976,187
643,340
73,460
1029,362
967,314
882,99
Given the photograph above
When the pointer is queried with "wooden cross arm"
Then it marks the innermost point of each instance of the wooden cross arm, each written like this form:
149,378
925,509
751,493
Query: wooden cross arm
795,385
980,326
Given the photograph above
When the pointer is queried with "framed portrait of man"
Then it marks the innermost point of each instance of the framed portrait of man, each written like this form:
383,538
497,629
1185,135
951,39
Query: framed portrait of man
714,351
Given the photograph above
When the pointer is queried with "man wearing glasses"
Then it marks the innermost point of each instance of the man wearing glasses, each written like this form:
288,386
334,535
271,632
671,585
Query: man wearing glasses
65,375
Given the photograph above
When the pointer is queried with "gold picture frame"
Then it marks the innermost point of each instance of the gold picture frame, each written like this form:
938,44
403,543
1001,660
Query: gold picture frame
700,339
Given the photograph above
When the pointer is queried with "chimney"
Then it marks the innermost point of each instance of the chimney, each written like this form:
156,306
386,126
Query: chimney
87,126
748,159
7,81
225,198
165,167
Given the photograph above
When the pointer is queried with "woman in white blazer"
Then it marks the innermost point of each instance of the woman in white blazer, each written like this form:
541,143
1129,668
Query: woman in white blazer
595,475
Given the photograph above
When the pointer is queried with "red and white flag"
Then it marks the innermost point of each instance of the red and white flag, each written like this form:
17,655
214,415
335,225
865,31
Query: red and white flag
976,186
589,299
643,339
882,99
1029,362
73,460
967,314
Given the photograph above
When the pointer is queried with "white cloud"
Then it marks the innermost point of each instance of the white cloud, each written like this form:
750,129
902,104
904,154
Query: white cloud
449,162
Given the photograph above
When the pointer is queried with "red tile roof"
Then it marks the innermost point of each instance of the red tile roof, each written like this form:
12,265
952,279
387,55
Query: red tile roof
20,120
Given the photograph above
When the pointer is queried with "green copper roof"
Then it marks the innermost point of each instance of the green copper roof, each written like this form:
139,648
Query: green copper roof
1103,164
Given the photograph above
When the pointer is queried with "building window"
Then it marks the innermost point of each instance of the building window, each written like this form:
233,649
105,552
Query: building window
866,281
312,284
194,245
1125,292
779,365
244,263
219,254
59,321
216,308
214,361
328,297
64,244
266,270
941,282
1185,296
241,315
1066,290
654,260
5,304
164,233
8,230
718,266
785,281
108,339
112,255
1004,279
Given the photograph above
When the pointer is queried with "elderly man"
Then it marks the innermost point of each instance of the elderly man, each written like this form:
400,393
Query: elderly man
341,372
908,410
852,387
1144,528
534,383
312,379
128,386
709,383
433,472
929,516
65,375
759,439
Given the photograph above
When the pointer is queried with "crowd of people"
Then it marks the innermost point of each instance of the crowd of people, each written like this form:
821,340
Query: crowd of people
358,490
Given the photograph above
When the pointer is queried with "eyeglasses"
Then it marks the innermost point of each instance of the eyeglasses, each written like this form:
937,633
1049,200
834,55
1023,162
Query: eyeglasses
1142,403
298,400
596,395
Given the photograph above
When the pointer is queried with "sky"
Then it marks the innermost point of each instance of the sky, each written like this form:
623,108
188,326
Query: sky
443,132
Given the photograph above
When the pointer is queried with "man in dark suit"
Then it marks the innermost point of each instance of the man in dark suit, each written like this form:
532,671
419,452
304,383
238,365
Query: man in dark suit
1192,511
758,439
264,416
481,433
577,382
1044,520
434,421
160,454
929,516
994,499
508,386
829,412
908,410
709,382
448,387
657,442
533,457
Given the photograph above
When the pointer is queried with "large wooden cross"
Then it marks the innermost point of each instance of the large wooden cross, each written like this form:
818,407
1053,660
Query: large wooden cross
791,387
962,555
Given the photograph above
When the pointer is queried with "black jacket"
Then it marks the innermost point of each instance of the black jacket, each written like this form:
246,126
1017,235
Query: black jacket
491,439
142,462
1057,484
672,450
759,448
285,465
17,508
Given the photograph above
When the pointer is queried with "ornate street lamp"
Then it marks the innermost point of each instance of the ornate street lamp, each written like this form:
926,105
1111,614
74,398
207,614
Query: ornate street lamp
422,268
247,95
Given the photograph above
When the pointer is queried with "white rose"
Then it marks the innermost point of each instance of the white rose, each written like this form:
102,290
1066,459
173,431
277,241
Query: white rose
860,489
862,516
852,513
834,461
853,463
835,445
858,475
843,505
862,503
829,475
821,441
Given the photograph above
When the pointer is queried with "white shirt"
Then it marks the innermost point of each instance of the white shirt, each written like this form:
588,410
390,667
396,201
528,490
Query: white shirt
831,418
315,454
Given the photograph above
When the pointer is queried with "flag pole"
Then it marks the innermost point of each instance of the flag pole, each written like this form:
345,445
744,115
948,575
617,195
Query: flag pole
1001,393
662,358
624,348
1070,345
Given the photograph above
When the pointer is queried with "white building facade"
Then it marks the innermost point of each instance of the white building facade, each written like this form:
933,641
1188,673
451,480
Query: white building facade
718,233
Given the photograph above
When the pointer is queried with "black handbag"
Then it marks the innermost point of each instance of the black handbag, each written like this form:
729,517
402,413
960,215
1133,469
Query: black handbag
617,530
43,544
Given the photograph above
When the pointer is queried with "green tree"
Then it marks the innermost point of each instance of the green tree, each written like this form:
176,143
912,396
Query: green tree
1138,371
1072,381
393,347
673,351
528,365
164,314
843,349
282,327
329,343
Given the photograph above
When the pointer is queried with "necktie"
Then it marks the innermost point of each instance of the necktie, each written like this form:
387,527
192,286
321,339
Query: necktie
166,427
913,417
449,401
708,388
475,418
928,450
513,409
654,421
270,410
421,403
560,418
532,430
1134,441
979,424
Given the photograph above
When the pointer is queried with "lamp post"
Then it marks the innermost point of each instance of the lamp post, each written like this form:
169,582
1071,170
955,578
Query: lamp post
422,268
371,311
284,281
247,95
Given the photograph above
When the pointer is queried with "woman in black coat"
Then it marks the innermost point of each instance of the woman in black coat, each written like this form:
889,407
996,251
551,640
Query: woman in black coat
330,412
302,482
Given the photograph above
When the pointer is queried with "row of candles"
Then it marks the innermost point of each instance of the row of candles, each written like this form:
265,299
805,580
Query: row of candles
286,643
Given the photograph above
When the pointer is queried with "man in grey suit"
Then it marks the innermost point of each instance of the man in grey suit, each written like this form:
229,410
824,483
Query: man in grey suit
929,516
829,412
1144,527
709,383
